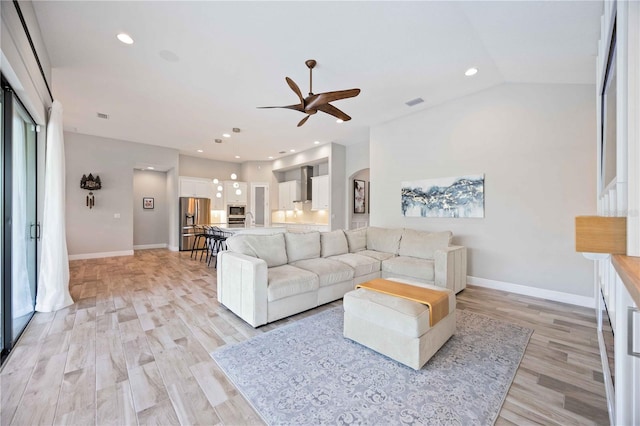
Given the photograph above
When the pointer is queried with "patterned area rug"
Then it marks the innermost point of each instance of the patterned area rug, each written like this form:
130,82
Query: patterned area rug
308,373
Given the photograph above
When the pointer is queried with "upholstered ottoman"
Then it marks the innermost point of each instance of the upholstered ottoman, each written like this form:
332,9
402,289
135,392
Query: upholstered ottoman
396,327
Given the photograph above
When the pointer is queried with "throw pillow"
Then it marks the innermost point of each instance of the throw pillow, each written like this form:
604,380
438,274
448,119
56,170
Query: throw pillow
385,240
423,244
333,243
357,239
302,245
270,248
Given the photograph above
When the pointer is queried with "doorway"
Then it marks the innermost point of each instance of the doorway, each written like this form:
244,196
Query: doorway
20,230
260,204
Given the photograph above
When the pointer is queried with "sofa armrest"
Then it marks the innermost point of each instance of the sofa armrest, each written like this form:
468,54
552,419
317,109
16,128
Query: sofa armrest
451,268
242,286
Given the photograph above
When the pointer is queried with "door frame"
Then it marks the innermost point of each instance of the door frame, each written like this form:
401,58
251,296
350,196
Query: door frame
252,206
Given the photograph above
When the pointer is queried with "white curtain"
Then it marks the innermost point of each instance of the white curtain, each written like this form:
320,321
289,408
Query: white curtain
22,299
53,282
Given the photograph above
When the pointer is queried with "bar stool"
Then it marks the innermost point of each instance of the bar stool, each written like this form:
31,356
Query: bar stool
200,233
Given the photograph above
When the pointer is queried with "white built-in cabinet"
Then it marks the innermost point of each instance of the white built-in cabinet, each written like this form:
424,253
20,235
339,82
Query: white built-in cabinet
195,187
620,197
288,192
231,195
320,192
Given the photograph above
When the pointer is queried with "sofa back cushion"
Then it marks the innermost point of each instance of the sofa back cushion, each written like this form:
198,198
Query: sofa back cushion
333,243
270,248
302,245
356,239
423,244
385,240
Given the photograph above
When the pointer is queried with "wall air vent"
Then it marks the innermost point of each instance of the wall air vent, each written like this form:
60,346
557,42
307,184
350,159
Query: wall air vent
415,101
103,116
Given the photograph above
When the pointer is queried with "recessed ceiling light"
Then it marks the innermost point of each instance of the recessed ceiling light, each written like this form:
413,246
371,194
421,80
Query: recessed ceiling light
271,157
471,71
339,121
413,102
125,38
200,150
226,135
237,156
150,168
316,142
292,150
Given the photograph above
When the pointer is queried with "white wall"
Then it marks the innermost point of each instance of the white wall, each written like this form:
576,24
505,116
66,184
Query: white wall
534,143
96,231
206,168
150,226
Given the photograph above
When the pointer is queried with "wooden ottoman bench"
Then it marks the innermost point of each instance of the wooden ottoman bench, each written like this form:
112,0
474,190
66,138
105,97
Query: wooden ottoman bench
396,326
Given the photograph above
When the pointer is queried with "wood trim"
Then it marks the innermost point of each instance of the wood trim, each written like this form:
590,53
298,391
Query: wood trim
601,234
628,268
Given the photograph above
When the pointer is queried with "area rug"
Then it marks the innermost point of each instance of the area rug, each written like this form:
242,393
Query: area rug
307,373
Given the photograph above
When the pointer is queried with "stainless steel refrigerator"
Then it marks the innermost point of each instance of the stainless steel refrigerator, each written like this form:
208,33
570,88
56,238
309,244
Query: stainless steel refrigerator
194,212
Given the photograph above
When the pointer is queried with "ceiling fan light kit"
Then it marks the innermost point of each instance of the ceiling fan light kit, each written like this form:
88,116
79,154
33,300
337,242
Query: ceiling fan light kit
317,102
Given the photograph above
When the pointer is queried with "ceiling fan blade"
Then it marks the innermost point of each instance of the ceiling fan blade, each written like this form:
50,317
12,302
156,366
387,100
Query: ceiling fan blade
296,107
304,120
331,110
326,97
295,88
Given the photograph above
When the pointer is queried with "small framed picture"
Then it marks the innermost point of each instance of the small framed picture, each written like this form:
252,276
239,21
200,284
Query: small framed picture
147,203
358,196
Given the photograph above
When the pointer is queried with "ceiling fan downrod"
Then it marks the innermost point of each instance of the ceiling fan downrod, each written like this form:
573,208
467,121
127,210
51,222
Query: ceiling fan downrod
311,63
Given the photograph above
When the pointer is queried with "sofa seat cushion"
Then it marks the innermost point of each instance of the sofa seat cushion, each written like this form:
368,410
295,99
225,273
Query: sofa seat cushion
361,265
328,271
394,313
378,255
410,266
286,280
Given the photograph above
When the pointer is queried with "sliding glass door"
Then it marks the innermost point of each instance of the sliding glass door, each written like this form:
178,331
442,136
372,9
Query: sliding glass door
20,228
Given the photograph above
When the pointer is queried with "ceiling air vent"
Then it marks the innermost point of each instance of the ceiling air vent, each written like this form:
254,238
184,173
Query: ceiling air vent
415,101
103,116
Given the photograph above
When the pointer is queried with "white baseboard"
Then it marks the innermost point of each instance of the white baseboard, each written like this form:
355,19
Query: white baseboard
556,296
150,246
99,255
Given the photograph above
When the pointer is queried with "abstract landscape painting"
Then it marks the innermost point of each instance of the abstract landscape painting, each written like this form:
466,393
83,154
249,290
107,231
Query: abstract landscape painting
444,197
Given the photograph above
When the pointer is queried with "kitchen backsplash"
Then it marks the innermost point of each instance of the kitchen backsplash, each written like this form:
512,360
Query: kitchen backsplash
306,215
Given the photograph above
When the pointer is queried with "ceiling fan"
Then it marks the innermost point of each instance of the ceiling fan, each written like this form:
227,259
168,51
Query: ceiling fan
317,102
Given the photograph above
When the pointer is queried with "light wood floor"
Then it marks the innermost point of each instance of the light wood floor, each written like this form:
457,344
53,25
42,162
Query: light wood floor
134,349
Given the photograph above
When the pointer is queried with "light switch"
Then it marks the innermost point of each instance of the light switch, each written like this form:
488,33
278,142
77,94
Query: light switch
116,215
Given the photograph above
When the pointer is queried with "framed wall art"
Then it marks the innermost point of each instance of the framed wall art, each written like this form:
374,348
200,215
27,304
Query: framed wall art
147,203
358,196
461,196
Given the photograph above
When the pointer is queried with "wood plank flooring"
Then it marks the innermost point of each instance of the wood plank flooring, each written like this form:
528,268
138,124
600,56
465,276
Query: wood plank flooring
134,349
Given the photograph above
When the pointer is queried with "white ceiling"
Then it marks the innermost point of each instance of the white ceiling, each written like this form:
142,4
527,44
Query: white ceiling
198,69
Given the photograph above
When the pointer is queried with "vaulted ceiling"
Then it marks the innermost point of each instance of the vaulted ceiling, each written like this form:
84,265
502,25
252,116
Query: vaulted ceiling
198,69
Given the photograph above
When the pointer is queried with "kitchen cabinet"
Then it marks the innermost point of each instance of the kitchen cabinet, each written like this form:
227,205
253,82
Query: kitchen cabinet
230,195
288,192
320,192
196,187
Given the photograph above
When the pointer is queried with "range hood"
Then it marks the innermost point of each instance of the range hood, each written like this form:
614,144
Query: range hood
306,172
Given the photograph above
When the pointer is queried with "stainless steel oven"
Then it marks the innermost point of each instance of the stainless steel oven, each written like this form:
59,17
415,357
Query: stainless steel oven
236,211
236,215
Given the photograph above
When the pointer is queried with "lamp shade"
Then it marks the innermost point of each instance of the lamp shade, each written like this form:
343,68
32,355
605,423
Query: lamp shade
601,234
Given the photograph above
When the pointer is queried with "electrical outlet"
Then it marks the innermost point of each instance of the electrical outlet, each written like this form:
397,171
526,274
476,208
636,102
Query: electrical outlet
116,215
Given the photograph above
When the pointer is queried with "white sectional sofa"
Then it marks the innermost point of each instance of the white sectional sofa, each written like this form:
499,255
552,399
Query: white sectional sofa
263,278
